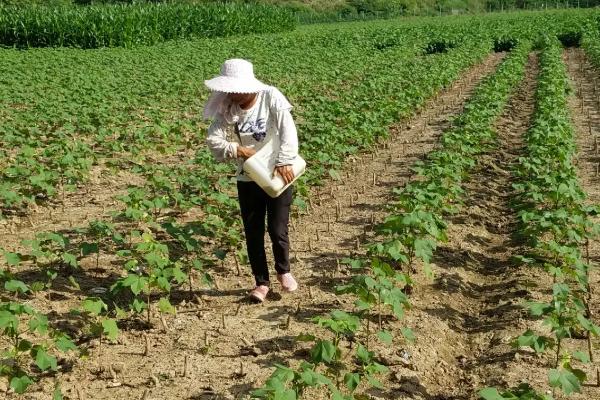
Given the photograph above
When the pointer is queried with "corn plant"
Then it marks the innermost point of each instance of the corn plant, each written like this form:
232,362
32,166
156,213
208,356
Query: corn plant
137,24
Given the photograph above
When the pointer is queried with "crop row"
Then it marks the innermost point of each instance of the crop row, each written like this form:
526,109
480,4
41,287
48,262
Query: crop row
50,144
590,41
65,111
557,226
138,24
380,286
157,252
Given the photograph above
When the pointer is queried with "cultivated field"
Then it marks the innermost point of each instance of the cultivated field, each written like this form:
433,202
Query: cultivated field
444,235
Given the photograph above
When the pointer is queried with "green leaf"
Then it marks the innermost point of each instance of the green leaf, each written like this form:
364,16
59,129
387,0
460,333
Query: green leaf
286,394
424,249
64,343
334,175
588,325
24,345
582,356
120,313
539,309
338,396
138,305
567,381
16,286
374,382
165,306
8,321
57,395
12,259
364,355
44,360
74,282
362,305
304,337
352,380
89,248
94,305
220,254
323,351
70,259
20,384
408,334
110,328
490,394
385,337
537,343
136,283
38,323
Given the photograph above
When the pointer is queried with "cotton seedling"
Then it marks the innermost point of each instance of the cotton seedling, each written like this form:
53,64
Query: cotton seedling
148,267
31,340
556,224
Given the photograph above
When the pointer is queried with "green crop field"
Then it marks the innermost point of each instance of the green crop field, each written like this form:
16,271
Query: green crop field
444,234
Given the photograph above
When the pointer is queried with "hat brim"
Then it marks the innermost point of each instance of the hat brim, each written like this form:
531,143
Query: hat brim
232,85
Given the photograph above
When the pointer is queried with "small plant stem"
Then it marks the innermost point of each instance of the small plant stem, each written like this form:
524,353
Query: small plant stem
590,347
237,266
368,330
164,323
146,345
148,307
62,190
186,366
337,370
379,312
558,349
587,271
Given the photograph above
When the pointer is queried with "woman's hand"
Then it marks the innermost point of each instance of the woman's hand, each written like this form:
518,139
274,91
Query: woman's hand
245,152
286,173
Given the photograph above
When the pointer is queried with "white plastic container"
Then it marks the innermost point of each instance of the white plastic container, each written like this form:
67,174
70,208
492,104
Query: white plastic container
260,168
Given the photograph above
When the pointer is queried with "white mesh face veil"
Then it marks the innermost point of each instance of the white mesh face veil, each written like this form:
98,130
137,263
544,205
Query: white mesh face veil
215,105
219,104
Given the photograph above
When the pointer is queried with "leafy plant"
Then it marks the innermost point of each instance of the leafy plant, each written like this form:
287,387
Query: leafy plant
32,340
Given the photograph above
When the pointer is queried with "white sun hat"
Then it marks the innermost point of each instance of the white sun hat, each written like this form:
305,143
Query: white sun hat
237,76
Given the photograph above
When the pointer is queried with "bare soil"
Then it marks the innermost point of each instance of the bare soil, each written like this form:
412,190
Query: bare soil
584,104
466,319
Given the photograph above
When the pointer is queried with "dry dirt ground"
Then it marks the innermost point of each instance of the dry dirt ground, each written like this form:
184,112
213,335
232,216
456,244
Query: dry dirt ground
584,104
464,319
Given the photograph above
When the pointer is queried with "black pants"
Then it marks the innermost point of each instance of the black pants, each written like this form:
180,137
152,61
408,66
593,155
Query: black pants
255,204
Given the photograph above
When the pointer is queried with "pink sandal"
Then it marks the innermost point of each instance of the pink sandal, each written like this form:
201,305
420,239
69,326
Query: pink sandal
259,293
288,282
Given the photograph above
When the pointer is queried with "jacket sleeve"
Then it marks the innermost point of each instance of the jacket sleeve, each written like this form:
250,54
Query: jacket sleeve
286,128
288,136
216,141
